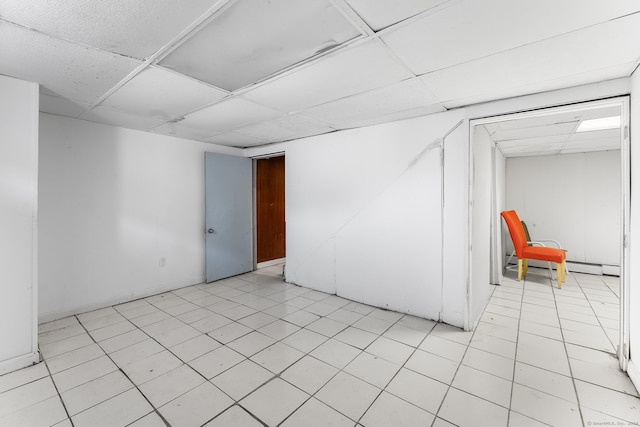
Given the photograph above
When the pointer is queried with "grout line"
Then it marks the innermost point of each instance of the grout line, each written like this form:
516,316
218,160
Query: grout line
58,391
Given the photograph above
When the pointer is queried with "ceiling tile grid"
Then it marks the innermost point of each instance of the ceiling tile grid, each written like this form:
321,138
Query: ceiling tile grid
250,72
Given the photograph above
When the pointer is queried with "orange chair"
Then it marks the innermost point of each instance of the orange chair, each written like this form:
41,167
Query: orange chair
524,252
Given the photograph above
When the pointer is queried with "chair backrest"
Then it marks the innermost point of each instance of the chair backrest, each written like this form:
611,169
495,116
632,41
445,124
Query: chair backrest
518,236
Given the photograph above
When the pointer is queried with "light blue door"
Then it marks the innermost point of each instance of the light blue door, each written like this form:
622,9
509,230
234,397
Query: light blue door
229,216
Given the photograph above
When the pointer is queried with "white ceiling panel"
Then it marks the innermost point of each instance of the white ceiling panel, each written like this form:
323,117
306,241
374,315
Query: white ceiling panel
228,115
606,144
61,106
163,94
596,134
177,130
403,96
284,128
120,118
381,14
468,30
348,72
578,57
62,68
545,120
253,39
535,131
134,28
232,139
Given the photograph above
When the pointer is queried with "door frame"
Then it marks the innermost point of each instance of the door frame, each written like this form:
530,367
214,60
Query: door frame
255,208
623,102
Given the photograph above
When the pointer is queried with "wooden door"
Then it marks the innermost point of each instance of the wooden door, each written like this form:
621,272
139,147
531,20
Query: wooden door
270,209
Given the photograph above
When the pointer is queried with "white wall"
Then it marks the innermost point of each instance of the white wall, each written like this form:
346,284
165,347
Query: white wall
572,198
364,216
18,223
112,202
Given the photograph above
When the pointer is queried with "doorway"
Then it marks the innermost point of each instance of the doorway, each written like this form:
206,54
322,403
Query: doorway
270,211
554,133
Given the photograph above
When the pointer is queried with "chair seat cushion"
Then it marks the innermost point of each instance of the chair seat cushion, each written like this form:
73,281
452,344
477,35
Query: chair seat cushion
544,254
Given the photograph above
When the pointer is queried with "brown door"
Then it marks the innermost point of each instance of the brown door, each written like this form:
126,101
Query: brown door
270,209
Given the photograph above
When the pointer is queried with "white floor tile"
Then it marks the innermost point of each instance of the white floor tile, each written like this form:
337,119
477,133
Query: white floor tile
544,407
490,363
326,327
65,345
279,329
81,374
608,401
543,352
477,412
195,347
242,379
348,395
444,348
112,330
136,352
124,340
546,381
356,337
196,407
483,385
22,376
251,343
335,353
257,320
309,374
217,361
97,391
151,367
234,416
390,350
372,369
274,401
418,389
316,414
388,410
432,366
404,334
211,322
120,410
494,345
277,357
45,413
22,397
166,387
304,340
149,420
229,332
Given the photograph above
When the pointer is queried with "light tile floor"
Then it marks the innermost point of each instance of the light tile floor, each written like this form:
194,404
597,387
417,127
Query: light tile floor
253,351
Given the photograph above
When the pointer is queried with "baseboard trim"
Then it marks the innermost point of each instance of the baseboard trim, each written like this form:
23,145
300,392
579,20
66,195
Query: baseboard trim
19,362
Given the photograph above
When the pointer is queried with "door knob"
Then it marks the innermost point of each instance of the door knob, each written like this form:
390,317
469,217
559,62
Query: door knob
210,231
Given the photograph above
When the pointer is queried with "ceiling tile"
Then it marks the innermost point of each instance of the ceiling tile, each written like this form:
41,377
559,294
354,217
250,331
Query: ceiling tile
542,120
596,134
290,126
598,53
62,68
133,28
588,145
120,118
232,139
253,39
61,106
177,130
467,30
406,95
228,115
352,70
162,94
535,131
381,14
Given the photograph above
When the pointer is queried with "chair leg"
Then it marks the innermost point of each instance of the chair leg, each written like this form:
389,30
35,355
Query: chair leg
519,269
560,271
526,264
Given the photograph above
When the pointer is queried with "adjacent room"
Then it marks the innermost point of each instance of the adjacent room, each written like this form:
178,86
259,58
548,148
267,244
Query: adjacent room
288,213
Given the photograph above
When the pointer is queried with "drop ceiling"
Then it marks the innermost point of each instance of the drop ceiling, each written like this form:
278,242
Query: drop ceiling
252,72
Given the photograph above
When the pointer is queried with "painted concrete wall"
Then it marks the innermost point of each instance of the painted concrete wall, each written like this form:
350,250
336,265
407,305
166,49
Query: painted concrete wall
18,223
572,198
114,201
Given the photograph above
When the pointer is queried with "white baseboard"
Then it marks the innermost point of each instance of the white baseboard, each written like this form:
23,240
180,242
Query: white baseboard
270,263
634,374
19,362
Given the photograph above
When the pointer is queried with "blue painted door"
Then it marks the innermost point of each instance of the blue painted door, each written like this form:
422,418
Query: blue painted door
229,216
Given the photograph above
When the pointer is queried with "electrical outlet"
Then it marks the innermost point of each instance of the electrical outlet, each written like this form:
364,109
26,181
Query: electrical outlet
163,262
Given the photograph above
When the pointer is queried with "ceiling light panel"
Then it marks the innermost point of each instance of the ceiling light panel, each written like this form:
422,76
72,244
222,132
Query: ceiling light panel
598,53
133,28
162,94
467,30
602,123
228,115
290,126
253,39
62,68
348,72
379,15
402,96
